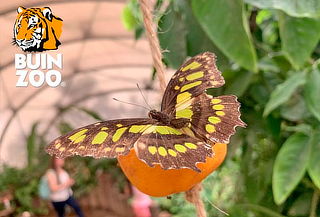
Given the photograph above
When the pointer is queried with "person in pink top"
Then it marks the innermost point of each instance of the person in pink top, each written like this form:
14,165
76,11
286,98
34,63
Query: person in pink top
141,203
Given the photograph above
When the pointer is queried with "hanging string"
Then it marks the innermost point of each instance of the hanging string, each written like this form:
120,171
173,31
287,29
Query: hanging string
153,42
193,195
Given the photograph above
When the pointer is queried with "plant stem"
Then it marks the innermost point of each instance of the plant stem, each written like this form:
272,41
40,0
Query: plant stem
314,203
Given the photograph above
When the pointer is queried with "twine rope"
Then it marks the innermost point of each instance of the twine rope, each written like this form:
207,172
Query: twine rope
192,195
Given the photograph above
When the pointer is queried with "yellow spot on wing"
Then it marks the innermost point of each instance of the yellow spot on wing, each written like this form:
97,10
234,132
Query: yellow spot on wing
172,153
100,138
81,147
79,139
218,107
191,145
189,86
119,125
185,113
214,120
194,76
220,113
215,101
152,149
210,128
58,145
162,151
180,148
181,79
107,149
77,135
167,130
62,149
176,87
117,135
120,149
183,97
138,128
192,65
104,128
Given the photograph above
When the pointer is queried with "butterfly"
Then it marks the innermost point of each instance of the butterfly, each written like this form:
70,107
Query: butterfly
180,135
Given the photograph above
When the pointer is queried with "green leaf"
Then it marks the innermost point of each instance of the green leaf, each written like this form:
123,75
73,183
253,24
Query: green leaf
299,37
172,35
226,25
284,91
290,166
314,166
131,16
239,84
301,128
295,8
312,93
31,144
197,39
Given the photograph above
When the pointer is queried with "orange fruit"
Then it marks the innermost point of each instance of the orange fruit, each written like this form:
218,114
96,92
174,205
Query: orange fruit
158,182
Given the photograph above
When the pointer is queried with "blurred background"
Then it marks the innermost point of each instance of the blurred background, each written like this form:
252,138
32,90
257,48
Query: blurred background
268,52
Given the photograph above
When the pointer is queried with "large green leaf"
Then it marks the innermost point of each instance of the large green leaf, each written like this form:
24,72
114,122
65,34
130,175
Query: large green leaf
314,166
172,35
290,166
197,39
296,8
312,93
283,92
227,26
299,37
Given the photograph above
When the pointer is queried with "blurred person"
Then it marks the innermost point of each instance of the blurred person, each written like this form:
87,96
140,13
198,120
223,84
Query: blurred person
141,203
60,184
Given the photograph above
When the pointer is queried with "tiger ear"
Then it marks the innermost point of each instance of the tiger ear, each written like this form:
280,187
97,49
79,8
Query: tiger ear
47,13
20,9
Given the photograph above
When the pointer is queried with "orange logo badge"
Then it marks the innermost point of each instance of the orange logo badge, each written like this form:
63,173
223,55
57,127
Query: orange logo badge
37,29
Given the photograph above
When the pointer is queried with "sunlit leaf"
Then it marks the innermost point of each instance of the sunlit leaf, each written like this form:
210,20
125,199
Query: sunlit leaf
290,166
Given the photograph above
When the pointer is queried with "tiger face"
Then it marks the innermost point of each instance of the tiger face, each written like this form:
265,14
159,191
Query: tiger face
37,29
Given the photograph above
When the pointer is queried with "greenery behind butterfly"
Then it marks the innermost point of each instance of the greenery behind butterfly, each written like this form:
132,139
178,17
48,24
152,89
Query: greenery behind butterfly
268,53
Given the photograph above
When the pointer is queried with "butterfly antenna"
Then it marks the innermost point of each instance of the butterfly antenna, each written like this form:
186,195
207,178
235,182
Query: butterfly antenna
130,103
144,98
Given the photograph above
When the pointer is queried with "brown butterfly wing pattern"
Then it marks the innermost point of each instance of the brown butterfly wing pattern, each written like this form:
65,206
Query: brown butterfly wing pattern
103,139
216,117
156,141
192,79
172,151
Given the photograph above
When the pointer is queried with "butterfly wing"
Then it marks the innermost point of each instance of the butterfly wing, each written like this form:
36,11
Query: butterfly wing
192,79
172,149
154,143
103,139
216,117
212,119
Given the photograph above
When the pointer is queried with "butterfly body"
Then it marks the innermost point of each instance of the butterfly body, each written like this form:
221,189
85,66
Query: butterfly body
167,120
180,135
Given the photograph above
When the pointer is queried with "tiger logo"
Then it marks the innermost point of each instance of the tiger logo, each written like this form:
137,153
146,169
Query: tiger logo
37,29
